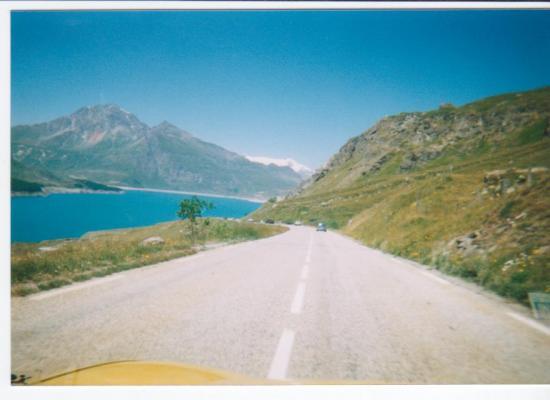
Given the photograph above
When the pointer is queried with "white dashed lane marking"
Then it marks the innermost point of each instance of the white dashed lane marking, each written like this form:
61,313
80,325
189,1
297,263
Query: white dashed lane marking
298,302
305,272
279,365
309,247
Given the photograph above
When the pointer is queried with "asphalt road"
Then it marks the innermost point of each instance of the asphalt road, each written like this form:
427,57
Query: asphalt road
302,305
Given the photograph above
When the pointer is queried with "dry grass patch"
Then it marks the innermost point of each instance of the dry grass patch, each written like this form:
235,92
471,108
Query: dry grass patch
51,264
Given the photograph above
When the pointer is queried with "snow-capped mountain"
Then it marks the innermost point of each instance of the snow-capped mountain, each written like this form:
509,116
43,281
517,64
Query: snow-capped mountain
301,169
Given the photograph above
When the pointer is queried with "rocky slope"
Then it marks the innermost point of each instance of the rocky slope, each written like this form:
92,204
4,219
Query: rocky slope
107,144
464,189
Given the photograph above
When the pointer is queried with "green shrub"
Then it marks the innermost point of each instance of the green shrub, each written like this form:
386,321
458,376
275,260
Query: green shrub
506,211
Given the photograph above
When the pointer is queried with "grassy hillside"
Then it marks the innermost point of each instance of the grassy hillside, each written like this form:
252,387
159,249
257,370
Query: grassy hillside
54,263
462,189
21,186
40,181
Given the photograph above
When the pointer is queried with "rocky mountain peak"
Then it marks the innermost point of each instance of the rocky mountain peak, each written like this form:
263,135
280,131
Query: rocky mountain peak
166,125
107,115
167,128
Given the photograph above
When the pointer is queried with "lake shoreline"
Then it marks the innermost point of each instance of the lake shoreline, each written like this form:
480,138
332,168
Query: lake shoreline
66,215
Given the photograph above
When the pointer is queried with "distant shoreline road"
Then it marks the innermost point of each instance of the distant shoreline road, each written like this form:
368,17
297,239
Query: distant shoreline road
252,199
57,190
60,190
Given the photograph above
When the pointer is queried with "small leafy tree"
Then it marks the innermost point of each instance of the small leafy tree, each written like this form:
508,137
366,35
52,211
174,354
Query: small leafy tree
192,209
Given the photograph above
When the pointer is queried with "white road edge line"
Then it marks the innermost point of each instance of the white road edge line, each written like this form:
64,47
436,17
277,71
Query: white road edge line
279,364
535,325
435,278
425,273
298,302
193,257
71,288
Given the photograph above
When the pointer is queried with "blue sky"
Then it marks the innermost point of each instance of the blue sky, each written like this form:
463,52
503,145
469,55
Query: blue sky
275,83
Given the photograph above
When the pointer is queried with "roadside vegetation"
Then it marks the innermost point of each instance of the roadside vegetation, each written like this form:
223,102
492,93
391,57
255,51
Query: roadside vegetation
192,209
477,207
55,263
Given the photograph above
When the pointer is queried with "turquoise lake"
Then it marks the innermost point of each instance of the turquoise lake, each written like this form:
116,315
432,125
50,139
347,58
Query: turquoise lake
57,216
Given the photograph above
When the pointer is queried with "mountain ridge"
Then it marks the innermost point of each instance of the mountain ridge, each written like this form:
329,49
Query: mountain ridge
107,144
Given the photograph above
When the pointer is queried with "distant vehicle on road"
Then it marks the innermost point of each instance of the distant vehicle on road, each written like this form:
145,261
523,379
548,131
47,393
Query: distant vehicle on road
321,227
298,223
269,221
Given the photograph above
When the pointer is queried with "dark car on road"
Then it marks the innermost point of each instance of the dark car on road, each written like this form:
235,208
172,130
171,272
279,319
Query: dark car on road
321,227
